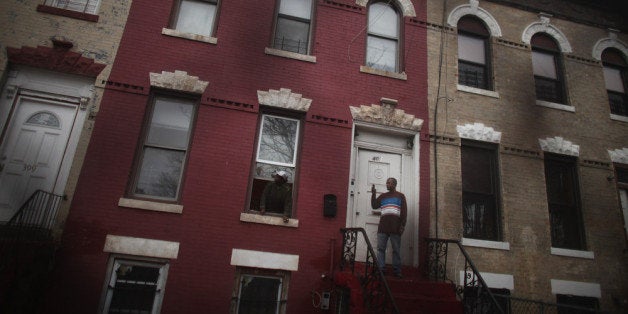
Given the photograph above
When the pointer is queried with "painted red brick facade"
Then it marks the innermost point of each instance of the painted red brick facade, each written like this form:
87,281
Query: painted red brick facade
215,183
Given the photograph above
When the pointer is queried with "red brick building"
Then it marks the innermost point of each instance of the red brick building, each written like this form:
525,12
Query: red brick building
206,99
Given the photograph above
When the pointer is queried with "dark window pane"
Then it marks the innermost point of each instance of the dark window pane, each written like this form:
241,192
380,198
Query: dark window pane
470,74
548,89
259,295
480,216
562,196
622,175
160,172
479,193
619,105
291,35
570,304
134,290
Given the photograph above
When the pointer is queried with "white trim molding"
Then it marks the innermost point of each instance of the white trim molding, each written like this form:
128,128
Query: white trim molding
572,253
283,98
473,9
544,26
266,260
479,132
610,42
406,6
582,289
141,247
269,220
190,36
559,145
477,91
148,205
289,55
619,156
492,280
486,244
178,80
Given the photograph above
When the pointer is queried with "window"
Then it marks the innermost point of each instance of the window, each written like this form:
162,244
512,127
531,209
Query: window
480,191
563,197
260,291
164,148
382,42
614,77
548,78
195,16
473,66
473,297
293,26
84,6
572,304
622,185
134,286
277,147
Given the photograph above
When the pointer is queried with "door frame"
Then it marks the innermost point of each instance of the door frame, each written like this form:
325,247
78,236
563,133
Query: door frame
409,159
55,88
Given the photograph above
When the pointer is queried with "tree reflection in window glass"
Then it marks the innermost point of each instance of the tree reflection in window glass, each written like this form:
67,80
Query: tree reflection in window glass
165,147
278,140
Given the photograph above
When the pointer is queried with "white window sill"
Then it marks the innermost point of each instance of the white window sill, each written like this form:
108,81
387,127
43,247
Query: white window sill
572,253
478,91
289,54
269,220
617,117
149,205
486,244
190,36
554,105
395,75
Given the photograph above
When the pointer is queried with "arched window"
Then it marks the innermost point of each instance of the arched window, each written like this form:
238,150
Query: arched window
614,77
382,43
473,51
548,77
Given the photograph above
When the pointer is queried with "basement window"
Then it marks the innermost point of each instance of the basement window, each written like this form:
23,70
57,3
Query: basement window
83,6
260,291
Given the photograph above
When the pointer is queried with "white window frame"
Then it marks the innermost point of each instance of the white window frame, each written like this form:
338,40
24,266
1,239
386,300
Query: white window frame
116,261
87,8
296,142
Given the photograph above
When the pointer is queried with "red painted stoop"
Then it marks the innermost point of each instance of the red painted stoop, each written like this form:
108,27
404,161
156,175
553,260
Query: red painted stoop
418,295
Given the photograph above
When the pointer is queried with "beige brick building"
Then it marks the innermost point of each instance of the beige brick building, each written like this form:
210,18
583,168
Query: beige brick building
55,59
523,128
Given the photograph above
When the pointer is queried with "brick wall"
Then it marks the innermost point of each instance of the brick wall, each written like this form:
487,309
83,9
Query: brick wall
525,219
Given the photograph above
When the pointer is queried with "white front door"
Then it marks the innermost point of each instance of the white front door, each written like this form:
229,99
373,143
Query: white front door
32,150
374,168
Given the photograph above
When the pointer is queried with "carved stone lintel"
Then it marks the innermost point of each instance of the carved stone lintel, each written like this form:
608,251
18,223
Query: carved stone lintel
178,80
559,145
386,115
11,90
479,132
619,156
83,103
284,98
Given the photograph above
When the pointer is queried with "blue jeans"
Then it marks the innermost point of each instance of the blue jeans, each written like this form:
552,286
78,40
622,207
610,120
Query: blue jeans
395,242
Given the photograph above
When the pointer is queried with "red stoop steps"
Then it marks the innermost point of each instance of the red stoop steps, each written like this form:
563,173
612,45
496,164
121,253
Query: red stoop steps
414,294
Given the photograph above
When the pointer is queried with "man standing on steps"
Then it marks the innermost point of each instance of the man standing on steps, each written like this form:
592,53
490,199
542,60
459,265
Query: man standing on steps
391,223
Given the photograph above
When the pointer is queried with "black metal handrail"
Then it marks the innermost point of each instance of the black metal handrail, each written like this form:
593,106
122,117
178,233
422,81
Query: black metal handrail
377,295
476,297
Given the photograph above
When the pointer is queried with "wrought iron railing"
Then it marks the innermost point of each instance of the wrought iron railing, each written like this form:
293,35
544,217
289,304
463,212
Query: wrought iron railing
34,220
376,292
514,305
476,297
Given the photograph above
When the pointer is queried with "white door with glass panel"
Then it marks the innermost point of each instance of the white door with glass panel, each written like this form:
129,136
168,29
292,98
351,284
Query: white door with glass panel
375,167
32,150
